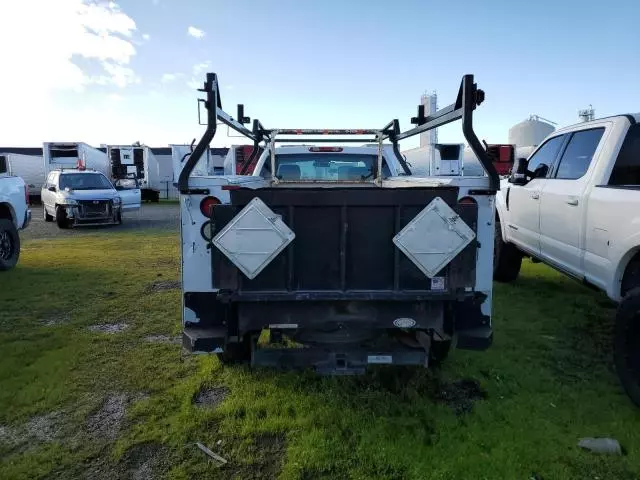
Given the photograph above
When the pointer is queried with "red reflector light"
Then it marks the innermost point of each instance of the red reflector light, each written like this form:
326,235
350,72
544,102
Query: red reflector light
231,187
206,205
325,149
467,201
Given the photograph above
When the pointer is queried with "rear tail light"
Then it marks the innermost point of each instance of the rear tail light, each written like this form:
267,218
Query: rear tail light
325,149
207,204
467,201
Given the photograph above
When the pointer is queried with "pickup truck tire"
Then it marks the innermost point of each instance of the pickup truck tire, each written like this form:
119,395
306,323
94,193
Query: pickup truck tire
507,259
626,348
47,217
439,352
236,353
9,244
61,218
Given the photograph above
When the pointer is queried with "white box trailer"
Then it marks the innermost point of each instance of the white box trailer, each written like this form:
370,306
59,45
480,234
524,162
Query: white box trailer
439,159
210,164
27,164
165,172
139,162
59,155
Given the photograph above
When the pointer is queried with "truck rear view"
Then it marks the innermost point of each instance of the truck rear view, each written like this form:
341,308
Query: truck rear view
336,257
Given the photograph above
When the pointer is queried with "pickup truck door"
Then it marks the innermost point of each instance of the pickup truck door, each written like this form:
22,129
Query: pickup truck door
129,192
563,203
524,200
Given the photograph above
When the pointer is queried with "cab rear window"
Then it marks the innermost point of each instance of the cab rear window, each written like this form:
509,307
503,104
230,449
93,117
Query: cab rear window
626,170
327,167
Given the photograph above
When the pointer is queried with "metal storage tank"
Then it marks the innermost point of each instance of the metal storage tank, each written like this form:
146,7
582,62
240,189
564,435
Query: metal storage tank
530,132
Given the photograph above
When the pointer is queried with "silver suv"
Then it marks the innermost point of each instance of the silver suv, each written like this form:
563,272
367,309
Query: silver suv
82,197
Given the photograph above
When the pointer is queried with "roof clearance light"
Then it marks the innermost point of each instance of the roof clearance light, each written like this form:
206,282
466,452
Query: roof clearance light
206,205
325,149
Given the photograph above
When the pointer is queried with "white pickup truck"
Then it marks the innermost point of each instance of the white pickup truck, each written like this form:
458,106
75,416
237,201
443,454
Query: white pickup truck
14,215
340,249
575,205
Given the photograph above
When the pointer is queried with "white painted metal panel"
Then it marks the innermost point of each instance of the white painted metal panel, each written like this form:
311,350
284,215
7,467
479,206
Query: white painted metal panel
434,237
254,238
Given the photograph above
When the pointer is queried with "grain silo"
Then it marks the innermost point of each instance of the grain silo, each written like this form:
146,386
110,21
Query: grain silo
530,132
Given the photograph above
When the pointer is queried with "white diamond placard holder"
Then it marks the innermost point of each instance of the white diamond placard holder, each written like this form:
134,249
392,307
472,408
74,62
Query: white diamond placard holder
254,238
434,237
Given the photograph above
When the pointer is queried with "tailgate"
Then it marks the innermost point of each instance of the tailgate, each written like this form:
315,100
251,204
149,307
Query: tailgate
344,247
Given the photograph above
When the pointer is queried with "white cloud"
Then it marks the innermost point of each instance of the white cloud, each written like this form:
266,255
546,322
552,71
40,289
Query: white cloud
195,32
118,75
45,55
146,36
115,97
197,78
170,77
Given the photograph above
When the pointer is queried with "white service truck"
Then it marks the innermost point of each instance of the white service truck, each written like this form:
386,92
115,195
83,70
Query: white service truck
339,249
14,215
574,204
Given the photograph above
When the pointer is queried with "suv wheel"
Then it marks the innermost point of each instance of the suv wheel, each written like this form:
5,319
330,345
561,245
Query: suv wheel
61,218
9,244
47,217
626,348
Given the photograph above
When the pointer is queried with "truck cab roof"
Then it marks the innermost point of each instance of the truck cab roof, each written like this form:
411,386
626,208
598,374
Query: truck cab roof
627,117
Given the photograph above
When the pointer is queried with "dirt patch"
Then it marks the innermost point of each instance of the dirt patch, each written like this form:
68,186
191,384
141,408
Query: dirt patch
461,395
109,328
173,340
210,396
162,285
107,421
40,429
54,320
145,461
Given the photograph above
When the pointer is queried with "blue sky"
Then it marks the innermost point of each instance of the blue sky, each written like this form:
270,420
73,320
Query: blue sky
308,64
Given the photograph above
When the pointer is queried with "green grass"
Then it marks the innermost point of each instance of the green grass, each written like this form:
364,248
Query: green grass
548,382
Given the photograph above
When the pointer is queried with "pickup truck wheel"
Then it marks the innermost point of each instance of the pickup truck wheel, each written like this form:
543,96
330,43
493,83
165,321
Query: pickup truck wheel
439,352
9,244
626,348
507,259
47,217
61,218
236,353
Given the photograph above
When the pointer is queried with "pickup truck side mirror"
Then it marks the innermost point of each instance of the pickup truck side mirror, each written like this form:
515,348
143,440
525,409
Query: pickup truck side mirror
519,172
52,189
540,171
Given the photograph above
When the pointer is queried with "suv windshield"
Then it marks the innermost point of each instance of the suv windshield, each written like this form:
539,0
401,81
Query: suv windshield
327,166
84,181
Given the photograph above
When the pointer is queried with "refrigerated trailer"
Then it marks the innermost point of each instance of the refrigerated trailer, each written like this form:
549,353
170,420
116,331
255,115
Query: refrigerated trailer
27,164
438,159
139,162
59,155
